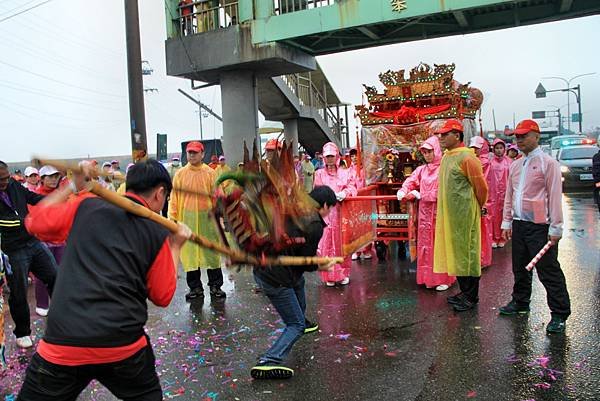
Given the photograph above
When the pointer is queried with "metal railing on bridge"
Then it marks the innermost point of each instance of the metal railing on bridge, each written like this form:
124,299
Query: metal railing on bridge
309,95
289,6
204,16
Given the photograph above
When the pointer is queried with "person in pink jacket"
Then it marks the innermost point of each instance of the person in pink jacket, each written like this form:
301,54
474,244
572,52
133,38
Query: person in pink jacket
343,183
499,166
481,147
532,218
422,184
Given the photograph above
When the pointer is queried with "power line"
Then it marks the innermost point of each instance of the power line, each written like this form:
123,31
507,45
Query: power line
63,99
21,47
60,82
24,11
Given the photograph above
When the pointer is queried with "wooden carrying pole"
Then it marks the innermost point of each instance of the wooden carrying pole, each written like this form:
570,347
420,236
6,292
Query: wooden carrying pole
235,255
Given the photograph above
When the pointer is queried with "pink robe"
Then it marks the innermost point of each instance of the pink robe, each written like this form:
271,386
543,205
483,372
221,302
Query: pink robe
340,180
425,180
497,183
486,221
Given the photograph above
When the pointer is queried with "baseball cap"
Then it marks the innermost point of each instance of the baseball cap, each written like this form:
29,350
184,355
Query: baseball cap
476,142
31,170
114,162
175,158
48,170
221,157
452,124
194,146
273,144
526,126
426,145
106,164
330,149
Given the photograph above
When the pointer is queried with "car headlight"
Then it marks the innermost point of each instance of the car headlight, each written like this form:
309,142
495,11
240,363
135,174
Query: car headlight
564,169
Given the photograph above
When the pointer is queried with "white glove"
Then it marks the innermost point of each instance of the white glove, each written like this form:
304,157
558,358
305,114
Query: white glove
340,196
416,193
400,194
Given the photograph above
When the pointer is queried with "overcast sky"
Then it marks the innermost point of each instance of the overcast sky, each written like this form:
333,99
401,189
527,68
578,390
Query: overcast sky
63,87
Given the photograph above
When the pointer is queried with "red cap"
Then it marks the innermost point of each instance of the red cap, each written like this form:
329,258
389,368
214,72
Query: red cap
273,144
451,124
194,146
526,126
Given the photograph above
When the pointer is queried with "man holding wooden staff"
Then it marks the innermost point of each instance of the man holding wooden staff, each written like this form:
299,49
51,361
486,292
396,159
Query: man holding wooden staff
533,217
114,261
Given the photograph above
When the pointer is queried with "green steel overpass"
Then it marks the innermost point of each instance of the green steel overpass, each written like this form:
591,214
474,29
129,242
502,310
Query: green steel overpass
235,43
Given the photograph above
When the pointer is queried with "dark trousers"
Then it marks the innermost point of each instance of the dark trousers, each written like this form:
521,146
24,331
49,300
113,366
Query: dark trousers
215,278
469,286
597,197
527,240
36,257
132,379
42,299
290,303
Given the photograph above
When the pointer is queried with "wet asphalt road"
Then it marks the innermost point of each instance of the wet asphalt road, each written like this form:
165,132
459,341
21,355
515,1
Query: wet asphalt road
382,337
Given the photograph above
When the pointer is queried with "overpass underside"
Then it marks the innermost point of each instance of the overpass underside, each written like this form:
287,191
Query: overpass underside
451,18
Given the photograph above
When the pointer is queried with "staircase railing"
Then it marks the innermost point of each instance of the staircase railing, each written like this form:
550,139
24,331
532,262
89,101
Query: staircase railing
309,95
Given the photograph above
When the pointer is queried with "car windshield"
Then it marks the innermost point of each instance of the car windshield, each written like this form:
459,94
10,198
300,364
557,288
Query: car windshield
578,153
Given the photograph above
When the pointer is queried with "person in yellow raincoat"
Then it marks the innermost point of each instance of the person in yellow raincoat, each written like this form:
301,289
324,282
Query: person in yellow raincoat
462,193
192,206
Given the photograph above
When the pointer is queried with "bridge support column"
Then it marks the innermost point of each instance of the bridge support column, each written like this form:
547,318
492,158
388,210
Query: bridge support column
240,113
290,133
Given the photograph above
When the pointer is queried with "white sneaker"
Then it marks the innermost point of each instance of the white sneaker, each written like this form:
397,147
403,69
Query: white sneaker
494,245
24,342
345,281
41,311
355,256
500,244
366,255
330,284
442,287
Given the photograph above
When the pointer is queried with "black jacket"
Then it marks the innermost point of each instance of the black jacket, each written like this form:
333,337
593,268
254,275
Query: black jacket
12,227
101,287
288,276
596,167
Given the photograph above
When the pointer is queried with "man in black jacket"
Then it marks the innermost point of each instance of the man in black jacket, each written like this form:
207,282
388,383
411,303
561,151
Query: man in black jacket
284,285
596,173
24,252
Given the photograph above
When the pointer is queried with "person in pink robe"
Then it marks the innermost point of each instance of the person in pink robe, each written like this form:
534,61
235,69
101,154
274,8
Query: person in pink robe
343,183
482,149
422,184
498,178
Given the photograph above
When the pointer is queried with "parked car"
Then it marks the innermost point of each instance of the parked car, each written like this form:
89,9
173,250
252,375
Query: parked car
561,141
576,165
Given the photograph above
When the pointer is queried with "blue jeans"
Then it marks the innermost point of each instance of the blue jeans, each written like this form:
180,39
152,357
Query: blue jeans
36,257
290,303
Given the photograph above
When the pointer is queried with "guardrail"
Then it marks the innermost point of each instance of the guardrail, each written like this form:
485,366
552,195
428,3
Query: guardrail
200,17
309,95
288,6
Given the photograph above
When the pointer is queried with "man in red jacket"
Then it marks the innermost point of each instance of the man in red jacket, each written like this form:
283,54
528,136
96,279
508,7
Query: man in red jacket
113,262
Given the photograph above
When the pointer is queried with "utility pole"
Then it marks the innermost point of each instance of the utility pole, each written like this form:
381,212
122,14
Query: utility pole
139,144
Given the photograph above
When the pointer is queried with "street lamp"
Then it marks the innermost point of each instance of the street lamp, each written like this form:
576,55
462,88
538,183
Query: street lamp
541,92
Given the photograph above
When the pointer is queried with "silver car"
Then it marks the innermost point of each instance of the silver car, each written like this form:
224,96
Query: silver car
576,165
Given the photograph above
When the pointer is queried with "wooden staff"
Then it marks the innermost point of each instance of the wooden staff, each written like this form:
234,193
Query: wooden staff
139,210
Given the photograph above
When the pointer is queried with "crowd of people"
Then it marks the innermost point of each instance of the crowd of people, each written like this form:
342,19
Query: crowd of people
472,200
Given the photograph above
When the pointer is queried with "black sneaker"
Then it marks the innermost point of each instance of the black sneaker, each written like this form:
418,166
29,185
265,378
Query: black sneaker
310,327
194,293
512,308
217,292
455,299
464,305
556,325
268,371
